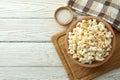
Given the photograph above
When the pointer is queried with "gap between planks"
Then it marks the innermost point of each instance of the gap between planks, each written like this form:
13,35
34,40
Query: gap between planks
32,73
28,29
28,54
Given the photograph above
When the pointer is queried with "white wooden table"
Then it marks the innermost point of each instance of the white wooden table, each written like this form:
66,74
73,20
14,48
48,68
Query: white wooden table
26,51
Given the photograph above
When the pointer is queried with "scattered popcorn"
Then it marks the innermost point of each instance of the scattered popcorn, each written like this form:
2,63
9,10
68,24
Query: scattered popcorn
89,41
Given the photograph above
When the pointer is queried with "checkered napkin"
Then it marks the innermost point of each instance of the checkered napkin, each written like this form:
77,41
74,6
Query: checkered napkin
108,10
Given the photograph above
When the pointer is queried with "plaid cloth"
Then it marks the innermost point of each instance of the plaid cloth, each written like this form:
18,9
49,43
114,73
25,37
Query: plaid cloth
108,10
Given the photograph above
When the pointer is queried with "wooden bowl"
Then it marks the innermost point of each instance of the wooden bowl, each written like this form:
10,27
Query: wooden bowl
95,63
60,9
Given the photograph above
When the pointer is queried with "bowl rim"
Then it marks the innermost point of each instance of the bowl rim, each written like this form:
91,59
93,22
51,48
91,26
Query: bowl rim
108,26
62,8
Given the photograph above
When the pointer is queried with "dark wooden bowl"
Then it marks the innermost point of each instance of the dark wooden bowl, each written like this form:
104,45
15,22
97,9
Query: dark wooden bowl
95,63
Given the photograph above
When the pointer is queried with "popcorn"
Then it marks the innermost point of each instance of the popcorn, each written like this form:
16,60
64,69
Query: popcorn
94,22
75,56
107,53
89,41
71,51
72,46
90,37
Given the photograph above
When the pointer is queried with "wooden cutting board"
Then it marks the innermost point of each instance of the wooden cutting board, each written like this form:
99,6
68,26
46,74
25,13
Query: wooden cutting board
76,72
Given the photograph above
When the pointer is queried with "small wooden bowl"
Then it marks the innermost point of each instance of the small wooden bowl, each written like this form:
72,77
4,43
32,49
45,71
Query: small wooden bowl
64,8
95,63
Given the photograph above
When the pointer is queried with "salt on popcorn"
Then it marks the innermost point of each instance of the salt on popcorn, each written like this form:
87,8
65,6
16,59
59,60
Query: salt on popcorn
89,41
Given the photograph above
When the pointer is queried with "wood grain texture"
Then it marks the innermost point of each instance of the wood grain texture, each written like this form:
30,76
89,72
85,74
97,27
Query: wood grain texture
75,71
25,49
112,75
28,54
28,29
29,8
44,73
32,73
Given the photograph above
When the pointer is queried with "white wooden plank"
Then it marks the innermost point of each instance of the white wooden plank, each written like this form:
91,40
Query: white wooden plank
45,73
112,75
34,54
33,73
28,54
28,29
29,8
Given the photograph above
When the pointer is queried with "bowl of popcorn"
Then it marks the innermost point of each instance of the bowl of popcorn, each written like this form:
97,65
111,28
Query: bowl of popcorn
90,41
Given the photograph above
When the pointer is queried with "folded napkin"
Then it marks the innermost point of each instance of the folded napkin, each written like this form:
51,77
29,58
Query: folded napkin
108,10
